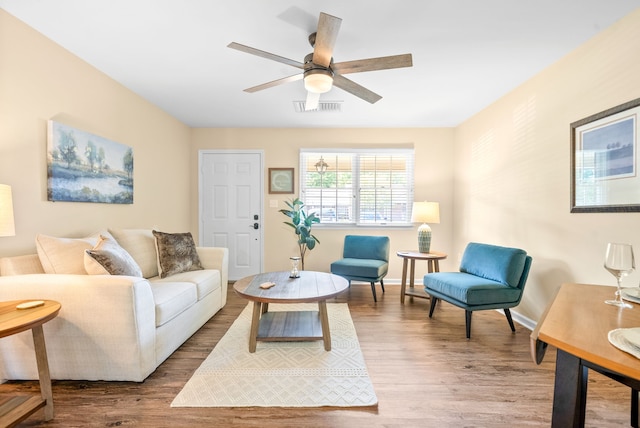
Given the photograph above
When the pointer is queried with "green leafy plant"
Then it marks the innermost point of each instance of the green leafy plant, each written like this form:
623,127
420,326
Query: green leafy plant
301,222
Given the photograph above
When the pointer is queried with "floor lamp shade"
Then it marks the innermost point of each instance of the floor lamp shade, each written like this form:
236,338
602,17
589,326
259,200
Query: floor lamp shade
425,212
7,227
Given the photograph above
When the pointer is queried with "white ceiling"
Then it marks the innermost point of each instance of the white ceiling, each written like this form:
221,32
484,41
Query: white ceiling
466,53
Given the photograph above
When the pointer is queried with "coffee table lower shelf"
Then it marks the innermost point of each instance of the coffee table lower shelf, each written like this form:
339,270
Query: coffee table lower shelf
290,326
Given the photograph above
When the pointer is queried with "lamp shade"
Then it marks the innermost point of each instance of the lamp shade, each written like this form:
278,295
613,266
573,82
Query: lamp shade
425,212
7,226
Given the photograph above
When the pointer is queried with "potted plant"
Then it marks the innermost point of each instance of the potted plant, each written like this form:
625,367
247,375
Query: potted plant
301,223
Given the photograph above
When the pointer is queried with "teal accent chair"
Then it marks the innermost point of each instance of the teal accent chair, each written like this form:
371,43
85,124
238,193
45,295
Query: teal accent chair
364,258
490,277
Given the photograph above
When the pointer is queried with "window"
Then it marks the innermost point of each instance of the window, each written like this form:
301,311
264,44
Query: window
359,187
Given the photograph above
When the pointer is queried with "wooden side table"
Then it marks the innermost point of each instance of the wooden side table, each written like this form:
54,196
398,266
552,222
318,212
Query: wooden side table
433,265
13,410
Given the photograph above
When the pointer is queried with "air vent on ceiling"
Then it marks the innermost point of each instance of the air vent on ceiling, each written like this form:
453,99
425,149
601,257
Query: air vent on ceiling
323,106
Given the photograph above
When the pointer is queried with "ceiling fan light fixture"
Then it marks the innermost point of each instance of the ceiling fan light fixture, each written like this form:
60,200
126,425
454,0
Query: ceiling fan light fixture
318,81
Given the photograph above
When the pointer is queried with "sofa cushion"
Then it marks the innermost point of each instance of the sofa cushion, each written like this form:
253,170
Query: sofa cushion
64,255
109,258
141,245
470,289
206,281
501,264
171,299
365,268
176,253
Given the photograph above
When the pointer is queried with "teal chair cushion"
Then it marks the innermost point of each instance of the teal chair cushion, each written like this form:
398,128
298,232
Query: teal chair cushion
366,247
469,290
502,264
370,269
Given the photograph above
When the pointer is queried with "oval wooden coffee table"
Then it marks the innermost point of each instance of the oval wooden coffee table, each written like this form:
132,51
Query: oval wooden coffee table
289,326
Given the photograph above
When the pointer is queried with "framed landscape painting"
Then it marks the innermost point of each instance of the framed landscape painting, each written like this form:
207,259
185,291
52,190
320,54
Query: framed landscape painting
604,161
82,167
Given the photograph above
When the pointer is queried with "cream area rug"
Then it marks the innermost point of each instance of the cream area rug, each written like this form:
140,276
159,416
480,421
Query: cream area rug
283,374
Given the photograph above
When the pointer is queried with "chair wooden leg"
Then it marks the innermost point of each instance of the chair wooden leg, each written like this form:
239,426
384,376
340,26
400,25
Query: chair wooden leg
432,306
507,313
382,285
468,323
373,290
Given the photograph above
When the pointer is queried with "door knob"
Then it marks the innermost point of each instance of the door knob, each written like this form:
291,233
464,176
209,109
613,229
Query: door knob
255,226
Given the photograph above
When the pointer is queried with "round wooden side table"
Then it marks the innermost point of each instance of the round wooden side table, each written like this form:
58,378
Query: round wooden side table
433,258
13,321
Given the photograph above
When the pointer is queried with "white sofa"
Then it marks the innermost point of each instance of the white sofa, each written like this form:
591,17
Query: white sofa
110,327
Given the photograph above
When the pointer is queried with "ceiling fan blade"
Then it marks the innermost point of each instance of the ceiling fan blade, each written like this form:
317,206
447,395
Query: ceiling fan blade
326,35
275,83
313,99
372,64
267,55
355,89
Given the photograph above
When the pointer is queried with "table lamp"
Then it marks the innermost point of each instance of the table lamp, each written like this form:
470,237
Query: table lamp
425,212
7,227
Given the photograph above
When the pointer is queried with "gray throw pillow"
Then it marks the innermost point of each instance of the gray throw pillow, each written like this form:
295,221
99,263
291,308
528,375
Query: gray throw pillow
107,257
176,253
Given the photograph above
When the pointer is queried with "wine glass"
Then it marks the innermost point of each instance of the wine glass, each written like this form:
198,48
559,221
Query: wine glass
620,262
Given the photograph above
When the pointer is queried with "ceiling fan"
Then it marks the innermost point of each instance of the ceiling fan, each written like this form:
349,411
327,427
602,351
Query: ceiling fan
320,73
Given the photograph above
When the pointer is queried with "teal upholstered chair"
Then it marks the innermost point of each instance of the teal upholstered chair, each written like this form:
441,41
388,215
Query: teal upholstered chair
490,277
364,258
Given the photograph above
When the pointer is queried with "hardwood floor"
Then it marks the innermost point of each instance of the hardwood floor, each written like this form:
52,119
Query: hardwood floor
425,374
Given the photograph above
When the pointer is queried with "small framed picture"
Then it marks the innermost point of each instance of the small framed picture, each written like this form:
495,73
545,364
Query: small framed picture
280,180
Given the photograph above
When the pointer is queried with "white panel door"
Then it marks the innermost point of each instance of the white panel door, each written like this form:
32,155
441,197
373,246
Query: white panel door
231,207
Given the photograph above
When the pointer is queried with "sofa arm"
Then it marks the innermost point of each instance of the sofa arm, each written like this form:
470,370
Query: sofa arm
216,258
105,329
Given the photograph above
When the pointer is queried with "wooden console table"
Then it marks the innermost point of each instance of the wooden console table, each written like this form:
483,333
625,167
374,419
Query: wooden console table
577,323
13,410
433,265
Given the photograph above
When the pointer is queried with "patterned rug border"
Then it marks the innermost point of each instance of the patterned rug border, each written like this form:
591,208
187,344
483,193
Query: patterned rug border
283,374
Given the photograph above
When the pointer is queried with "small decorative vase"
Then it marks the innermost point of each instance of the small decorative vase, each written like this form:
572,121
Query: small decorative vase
295,273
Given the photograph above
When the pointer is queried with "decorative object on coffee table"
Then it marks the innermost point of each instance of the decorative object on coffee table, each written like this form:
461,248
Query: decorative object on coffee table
295,273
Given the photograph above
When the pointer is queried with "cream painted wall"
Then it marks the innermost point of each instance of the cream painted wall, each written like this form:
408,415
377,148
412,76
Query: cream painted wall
40,81
434,161
512,170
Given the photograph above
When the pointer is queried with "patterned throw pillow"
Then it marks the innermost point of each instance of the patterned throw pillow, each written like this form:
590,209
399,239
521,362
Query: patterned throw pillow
107,257
176,253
